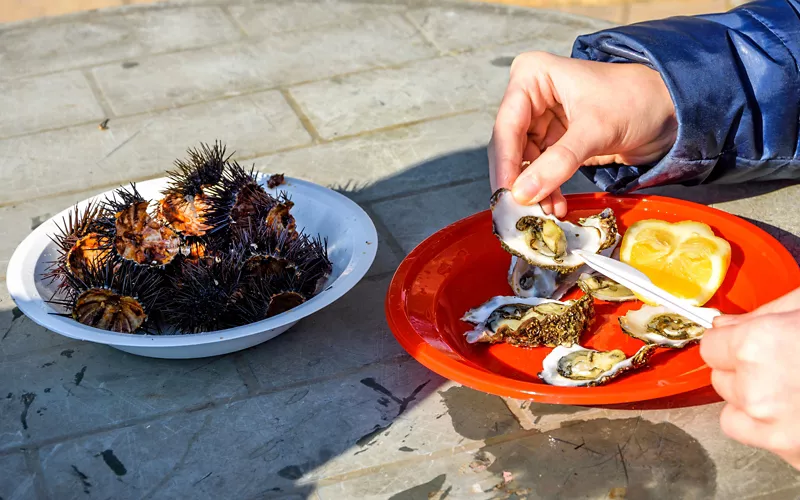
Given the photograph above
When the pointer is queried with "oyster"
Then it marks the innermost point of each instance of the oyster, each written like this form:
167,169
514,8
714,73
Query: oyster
658,325
530,322
532,281
579,366
544,240
606,223
604,288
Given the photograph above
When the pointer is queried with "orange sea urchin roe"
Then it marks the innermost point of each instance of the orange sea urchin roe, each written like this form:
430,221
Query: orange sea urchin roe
85,254
186,214
279,217
144,240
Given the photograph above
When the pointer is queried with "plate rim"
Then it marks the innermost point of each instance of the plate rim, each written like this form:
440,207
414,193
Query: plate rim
18,283
440,363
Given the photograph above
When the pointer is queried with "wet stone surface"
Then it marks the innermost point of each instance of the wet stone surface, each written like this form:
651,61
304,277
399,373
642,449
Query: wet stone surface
392,103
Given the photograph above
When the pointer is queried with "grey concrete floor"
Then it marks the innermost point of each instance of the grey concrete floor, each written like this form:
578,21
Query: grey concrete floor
392,102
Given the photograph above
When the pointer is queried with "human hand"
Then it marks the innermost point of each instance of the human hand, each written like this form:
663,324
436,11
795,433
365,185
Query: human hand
561,113
754,359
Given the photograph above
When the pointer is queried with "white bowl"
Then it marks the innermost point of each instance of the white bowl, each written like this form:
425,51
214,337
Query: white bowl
352,245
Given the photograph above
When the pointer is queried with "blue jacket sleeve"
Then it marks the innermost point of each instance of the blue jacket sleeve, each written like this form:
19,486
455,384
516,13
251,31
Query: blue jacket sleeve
735,83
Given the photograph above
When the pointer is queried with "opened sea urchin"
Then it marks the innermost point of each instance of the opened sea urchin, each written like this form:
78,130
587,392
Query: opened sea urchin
185,204
139,237
119,297
83,241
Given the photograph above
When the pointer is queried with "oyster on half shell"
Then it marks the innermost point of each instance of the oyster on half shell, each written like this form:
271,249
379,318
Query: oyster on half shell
532,281
658,325
604,288
579,366
545,241
530,322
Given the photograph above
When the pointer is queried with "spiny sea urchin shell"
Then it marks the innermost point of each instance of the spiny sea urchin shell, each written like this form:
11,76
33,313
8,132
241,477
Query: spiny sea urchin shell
272,250
83,241
237,201
114,296
270,296
202,294
184,204
139,237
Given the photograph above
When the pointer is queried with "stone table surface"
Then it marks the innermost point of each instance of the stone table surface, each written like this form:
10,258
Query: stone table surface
392,103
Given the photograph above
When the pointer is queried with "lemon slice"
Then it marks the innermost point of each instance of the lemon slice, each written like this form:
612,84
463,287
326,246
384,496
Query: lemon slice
684,258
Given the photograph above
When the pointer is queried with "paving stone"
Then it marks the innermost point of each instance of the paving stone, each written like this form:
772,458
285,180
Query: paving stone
279,443
24,109
616,14
141,146
187,77
414,218
387,259
264,18
16,483
77,41
647,11
61,392
621,453
393,162
456,28
345,336
19,334
366,101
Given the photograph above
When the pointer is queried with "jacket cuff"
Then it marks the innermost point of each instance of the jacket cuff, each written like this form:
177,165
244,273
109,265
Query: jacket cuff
716,71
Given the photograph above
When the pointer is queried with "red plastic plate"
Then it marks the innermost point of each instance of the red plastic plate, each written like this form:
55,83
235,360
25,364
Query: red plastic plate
463,265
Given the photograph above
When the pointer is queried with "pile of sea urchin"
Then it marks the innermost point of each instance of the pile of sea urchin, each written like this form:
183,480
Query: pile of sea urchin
216,251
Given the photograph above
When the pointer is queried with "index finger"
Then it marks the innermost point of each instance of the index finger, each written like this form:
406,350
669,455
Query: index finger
509,137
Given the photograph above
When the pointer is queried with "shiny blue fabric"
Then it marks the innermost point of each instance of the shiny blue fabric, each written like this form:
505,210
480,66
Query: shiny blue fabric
735,83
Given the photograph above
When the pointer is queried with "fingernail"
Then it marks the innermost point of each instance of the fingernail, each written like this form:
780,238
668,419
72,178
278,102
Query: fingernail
726,320
526,191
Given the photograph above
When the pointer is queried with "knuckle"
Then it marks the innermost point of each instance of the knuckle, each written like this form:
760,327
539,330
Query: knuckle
562,157
527,60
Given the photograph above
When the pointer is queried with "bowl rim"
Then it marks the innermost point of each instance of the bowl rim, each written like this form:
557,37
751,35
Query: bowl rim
22,286
447,366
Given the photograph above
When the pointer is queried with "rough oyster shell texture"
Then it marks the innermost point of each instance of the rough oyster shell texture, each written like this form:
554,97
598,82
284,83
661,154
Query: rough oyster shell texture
659,326
579,366
530,322
545,241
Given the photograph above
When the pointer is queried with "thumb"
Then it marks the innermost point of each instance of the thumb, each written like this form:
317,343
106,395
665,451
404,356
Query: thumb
557,163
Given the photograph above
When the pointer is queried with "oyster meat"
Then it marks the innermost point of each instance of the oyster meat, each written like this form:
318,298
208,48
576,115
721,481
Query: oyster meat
545,241
532,281
530,322
658,325
579,366
604,288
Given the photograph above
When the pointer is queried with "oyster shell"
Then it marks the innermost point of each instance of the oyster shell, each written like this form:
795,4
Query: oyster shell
532,281
545,241
606,223
530,322
579,366
658,325
604,288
